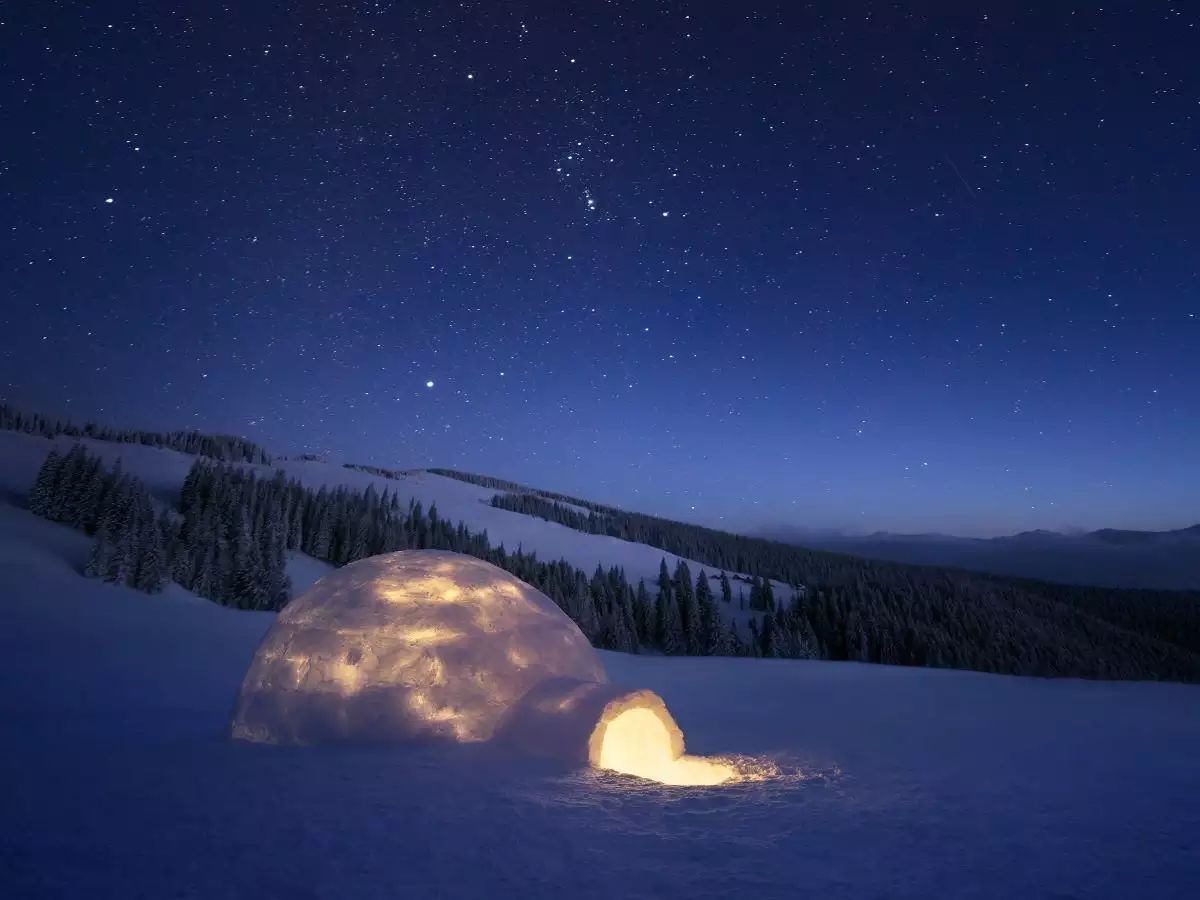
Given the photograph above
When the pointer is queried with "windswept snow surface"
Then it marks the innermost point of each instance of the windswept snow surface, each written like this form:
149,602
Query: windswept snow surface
119,779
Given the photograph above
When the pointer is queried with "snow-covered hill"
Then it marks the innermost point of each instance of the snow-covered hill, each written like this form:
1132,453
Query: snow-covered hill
1164,560
119,780
165,470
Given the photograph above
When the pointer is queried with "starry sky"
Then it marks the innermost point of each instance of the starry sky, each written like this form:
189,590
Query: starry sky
827,265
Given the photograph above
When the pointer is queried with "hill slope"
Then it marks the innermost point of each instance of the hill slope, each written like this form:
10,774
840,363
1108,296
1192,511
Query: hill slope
897,782
1168,560
847,608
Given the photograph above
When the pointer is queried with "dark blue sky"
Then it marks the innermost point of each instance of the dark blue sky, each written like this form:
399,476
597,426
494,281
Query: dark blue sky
827,265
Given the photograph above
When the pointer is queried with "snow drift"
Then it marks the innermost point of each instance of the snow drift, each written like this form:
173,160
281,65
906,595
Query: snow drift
433,644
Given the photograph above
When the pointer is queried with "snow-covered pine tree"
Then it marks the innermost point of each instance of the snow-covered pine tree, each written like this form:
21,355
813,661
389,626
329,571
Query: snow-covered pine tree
674,641
626,604
711,630
122,521
766,638
768,595
100,559
689,612
245,586
733,642
95,492
151,563
41,495
588,621
65,484
76,511
643,615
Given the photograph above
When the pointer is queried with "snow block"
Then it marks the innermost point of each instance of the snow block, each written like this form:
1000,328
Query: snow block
431,644
414,644
569,719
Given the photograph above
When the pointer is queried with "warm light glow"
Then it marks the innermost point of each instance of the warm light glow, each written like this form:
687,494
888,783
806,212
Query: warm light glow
406,645
430,644
636,742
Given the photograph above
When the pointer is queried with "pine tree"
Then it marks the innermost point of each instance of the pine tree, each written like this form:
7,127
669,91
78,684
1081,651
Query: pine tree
121,519
65,483
42,493
150,571
726,589
322,538
689,614
96,490
674,641
644,615
711,632
768,595
629,617
587,619
76,511
766,637
100,559
661,607
733,643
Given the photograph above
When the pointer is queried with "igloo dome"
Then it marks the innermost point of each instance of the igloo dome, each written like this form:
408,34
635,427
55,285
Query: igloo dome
433,644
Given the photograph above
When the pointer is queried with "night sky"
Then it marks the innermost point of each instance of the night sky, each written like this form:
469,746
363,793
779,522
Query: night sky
827,265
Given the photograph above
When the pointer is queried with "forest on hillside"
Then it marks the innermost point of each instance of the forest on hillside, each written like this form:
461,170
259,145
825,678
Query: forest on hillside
218,446
229,535
870,592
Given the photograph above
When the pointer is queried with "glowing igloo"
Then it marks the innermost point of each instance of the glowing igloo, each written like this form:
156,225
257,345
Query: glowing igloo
432,644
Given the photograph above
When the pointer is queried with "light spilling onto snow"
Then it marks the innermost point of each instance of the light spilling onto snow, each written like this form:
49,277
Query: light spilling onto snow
421,644
638,742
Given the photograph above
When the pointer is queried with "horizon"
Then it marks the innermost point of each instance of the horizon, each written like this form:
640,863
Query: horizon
782,270
786,532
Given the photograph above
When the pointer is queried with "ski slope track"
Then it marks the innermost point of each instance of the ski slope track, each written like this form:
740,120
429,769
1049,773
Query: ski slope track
120,780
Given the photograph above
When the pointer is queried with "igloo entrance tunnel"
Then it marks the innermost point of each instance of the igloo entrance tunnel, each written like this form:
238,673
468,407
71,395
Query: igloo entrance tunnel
432,644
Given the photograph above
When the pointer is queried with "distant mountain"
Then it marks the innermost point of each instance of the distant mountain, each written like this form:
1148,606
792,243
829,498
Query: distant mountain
1109,557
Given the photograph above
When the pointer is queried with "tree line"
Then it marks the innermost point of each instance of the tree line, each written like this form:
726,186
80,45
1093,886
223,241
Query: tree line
500,484
218,446
860,609
229,537
131,539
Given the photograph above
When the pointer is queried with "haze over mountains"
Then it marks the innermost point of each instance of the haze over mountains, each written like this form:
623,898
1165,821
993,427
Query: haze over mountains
1109,557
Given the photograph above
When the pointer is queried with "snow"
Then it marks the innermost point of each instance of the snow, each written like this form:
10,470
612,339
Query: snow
469,503
407,645
304,571
22,455
164,472
119,779
429,644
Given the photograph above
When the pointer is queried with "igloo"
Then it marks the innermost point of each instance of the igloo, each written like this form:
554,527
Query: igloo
435,645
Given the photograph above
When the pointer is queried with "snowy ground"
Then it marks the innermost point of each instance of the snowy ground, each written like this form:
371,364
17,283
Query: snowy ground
118,781
164,472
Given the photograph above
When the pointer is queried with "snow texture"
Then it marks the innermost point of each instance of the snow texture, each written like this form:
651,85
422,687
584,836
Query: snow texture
117,777
428,644
414,644
164,470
